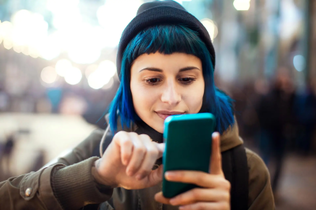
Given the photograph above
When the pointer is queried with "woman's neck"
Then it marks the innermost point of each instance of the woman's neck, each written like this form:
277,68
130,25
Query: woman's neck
143,128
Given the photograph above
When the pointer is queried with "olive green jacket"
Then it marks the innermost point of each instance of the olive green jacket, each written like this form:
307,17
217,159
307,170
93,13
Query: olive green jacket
73,183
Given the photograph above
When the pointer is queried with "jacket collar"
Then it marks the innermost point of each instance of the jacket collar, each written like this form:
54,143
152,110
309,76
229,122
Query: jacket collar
230,138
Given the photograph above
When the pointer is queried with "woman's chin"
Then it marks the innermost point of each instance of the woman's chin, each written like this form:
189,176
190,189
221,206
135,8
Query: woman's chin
158,129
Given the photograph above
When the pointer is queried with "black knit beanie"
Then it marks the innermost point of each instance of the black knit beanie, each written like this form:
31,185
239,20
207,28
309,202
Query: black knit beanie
157,13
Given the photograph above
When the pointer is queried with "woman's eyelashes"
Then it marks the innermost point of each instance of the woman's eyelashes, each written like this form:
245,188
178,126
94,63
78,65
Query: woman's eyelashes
158,80
186,80
153,81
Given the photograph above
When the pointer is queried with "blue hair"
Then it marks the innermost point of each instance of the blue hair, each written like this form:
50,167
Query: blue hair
167,39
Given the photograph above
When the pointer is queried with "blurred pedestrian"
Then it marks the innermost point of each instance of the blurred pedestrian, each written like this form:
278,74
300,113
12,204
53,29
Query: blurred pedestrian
305,109
276,117
6,154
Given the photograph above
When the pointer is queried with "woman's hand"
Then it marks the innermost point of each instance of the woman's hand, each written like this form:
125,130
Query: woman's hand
215,191
128,161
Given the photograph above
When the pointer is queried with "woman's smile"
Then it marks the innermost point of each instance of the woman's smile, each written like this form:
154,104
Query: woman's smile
166,113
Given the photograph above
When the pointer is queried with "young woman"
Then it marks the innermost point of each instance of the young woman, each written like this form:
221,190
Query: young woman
166,63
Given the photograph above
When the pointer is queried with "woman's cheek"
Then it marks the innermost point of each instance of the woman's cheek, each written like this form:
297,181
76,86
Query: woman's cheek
194,98
145,97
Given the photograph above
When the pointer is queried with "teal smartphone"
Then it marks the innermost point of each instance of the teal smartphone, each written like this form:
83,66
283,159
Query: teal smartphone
188,140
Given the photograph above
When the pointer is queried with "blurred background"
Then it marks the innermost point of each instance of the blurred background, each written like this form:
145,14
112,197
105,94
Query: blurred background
58,76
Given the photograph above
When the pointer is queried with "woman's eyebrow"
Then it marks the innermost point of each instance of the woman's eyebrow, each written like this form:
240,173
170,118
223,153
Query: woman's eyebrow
189,68
159,70
151,69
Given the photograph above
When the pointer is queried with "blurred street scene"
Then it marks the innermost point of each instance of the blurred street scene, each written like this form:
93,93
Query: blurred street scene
58,77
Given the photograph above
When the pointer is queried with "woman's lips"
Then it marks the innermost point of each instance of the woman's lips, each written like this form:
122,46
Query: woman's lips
165,114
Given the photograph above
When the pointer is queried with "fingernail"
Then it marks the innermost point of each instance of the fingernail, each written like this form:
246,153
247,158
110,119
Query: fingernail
181,207
170,175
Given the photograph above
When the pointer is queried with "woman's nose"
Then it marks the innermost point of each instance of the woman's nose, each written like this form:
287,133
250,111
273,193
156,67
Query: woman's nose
171,94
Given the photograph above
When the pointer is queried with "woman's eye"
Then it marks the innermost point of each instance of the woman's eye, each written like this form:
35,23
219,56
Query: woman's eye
153,81
186,80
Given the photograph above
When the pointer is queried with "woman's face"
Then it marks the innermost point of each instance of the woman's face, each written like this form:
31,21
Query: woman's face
164,85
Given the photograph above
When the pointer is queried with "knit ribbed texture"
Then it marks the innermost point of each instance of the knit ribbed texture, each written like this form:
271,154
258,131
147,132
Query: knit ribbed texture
158,13
75,186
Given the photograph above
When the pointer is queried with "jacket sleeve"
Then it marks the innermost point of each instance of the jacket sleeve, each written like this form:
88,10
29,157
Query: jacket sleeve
76,184
260,191
29,191
69,184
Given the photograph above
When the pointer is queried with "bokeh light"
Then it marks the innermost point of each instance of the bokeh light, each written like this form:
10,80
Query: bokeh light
73,76
48,75
7,43
97,79
102,75
34,53
25,50
109,66
17,48
6,31
242,5
109,84
29,33
65,13
114,15
210,27
75,35
62,66
90,69
84,48
299,62
50,47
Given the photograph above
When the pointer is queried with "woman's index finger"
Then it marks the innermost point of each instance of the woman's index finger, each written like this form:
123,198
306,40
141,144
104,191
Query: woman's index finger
216,157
